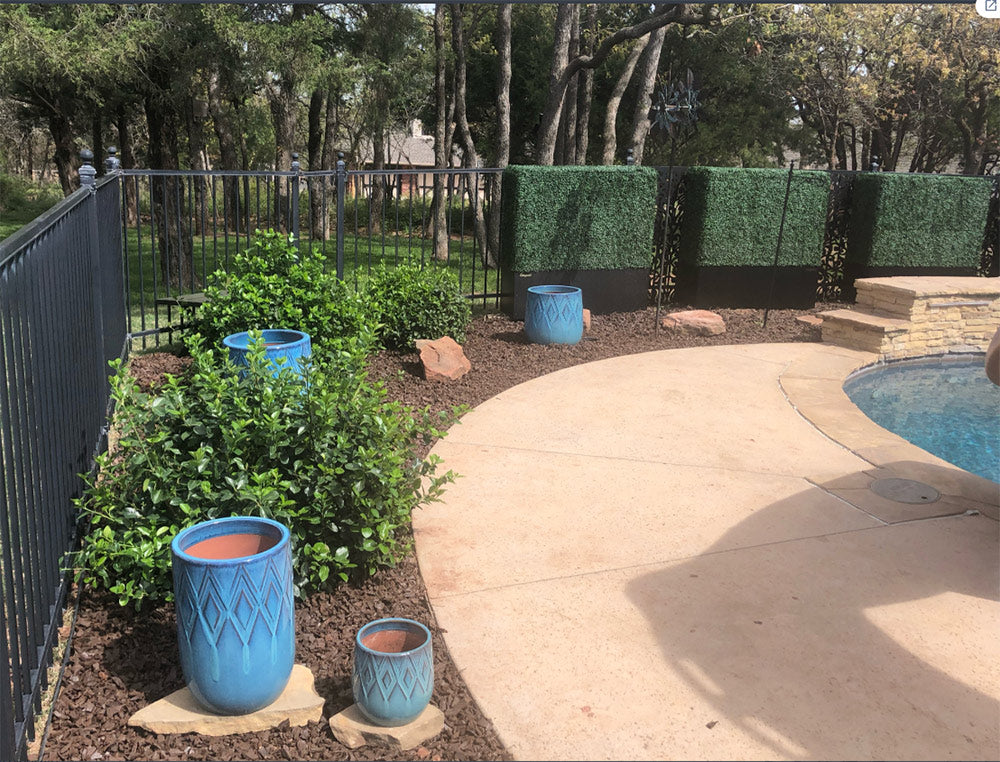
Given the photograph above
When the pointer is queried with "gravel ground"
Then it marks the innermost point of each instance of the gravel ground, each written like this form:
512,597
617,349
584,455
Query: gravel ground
119,661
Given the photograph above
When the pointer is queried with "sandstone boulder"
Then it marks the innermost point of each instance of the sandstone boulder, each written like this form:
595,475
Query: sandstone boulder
694,323
442,359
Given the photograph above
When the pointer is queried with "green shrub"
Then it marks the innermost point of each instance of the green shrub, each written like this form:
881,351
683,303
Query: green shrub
13,192
577,218
909,220
732,217
269,286
333,460
410,303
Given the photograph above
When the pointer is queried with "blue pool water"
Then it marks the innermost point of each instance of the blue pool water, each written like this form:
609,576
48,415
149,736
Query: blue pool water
947,407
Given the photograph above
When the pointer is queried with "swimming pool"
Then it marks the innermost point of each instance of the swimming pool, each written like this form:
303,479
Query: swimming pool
946,406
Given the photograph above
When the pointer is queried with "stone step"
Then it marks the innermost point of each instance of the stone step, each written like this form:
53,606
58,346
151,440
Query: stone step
860,329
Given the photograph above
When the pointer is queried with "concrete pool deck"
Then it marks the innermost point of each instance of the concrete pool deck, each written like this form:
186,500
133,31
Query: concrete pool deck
676,555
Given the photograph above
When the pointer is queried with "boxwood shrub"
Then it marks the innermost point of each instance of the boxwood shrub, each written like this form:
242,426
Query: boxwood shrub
911,220
732,217
331,458
408,302
274,285
577,218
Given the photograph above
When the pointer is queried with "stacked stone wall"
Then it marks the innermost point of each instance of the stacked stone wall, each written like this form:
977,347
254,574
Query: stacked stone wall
912,317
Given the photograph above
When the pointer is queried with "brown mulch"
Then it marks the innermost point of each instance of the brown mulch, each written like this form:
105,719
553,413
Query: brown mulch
120,661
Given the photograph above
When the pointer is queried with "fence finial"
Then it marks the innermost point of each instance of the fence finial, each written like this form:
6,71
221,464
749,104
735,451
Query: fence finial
295,161
874,162
630,157
88,175
112,163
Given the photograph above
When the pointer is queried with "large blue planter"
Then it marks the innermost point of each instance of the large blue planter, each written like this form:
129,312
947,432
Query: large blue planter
235,614
554,314
283,347
392,673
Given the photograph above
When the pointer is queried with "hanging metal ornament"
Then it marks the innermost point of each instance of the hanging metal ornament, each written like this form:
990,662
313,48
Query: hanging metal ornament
677,106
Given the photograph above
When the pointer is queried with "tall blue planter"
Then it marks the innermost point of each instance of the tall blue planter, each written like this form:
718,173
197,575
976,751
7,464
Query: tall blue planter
554,314
284,347
392,674
235,615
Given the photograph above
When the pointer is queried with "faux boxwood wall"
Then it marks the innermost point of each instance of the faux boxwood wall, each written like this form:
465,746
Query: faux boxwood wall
578,218
732,216
918,221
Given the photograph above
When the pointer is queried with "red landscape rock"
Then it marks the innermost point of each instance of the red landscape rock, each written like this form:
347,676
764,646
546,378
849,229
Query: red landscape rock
586,321
443,359
694,323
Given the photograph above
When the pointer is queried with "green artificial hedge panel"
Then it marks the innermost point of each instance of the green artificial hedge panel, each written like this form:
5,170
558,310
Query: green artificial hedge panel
577,218
732,216
909,220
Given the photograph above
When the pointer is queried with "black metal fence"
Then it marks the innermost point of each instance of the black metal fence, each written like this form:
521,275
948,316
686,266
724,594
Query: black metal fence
62,317
181,227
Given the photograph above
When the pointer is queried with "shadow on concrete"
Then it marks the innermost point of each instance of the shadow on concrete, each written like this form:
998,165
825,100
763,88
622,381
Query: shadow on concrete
877,643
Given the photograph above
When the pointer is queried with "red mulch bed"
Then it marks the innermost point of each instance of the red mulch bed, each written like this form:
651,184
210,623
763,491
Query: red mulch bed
120,661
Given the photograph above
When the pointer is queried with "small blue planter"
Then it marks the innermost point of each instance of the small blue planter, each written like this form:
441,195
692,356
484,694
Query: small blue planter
284,348
554,314
235,613
392,674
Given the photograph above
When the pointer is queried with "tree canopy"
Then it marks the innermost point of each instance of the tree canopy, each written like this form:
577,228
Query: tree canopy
915,87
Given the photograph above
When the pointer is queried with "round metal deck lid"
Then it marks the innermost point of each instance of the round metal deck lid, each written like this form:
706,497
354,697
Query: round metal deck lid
904,491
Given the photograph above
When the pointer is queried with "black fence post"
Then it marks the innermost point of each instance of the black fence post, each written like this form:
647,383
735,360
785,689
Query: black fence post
294,197
88,179
777,248
341,188
8,731
112,163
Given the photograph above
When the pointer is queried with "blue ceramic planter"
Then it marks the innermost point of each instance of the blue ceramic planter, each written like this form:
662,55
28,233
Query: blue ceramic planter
284,348
393,671
235,614
553,314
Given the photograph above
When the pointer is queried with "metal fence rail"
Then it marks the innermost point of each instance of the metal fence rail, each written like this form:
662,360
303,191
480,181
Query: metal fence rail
61,318
180,227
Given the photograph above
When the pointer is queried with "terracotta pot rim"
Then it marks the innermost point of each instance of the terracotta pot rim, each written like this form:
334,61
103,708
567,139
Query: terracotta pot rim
387,623
283,539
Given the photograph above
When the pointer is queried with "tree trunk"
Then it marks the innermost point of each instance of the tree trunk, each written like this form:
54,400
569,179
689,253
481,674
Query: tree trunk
548,129
568,132
228,152
648,65
197,113
97,141
282,102
175,251
65,152
439,222
376,195
471,158
586,91
126,152
611,113
503,122
315,149
328,161
972,127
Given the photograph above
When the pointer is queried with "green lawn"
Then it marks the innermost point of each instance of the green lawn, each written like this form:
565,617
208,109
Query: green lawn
12,220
